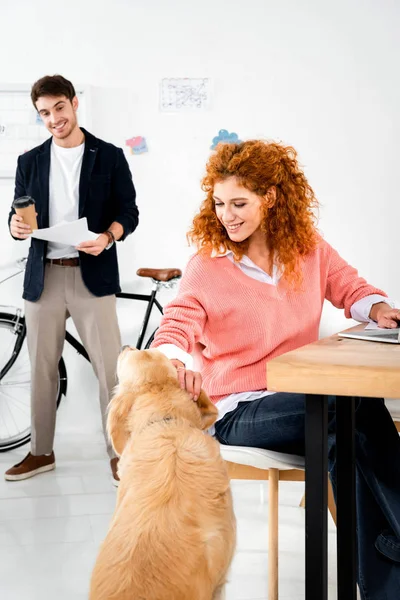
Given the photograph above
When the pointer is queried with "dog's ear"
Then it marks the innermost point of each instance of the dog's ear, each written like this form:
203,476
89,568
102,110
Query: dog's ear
209,411
117,420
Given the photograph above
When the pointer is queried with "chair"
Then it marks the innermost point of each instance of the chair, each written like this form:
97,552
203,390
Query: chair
394,409
254,463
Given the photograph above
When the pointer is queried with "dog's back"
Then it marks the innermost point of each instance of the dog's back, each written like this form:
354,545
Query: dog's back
172,536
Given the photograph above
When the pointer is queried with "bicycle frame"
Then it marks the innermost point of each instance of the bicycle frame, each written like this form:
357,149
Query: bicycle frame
13,319
149,298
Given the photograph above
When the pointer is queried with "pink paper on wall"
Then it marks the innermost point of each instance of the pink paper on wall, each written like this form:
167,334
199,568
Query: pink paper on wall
137,145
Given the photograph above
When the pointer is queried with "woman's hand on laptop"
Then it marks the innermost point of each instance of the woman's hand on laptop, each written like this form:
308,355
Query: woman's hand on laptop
386,316
189,380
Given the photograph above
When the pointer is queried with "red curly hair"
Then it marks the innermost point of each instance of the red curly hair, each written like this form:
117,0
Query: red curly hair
289,224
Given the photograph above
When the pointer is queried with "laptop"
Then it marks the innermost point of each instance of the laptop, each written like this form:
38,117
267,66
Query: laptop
390,336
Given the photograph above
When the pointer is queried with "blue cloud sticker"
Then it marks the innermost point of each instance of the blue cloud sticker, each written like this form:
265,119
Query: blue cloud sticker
225,137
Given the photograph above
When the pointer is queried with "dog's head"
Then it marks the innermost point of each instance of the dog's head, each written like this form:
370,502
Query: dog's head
149,388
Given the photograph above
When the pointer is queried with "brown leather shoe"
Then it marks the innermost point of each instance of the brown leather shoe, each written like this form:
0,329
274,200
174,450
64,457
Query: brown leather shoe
31,466
114,469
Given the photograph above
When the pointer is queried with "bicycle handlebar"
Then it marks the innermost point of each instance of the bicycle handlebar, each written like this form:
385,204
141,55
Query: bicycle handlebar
21,263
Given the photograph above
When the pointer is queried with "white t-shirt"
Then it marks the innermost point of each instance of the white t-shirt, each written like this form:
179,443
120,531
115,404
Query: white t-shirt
65,172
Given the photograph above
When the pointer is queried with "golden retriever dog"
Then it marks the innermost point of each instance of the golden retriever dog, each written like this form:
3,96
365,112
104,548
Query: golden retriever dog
172,536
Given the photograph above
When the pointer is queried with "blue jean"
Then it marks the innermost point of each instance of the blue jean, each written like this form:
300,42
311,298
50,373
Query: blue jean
276,422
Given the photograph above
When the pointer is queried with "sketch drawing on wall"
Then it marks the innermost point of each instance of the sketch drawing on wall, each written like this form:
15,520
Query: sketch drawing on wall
184,94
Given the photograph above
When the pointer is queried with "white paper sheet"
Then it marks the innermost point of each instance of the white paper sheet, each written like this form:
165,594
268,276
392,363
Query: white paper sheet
372,325
71,234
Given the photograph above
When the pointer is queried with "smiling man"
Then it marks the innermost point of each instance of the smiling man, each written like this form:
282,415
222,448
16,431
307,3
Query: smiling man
72,175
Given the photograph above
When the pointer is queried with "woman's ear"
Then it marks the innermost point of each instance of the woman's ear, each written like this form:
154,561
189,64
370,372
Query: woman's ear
117,420
209,411
270,196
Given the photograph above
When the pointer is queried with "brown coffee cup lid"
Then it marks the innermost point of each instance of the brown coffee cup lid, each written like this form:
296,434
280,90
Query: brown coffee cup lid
23,202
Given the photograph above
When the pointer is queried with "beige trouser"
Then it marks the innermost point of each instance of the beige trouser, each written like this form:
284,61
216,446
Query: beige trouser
95,318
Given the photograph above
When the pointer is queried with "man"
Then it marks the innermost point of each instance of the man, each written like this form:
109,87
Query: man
71,175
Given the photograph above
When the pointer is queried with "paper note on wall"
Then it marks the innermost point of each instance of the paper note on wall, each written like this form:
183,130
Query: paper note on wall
225,137
184,94
137,145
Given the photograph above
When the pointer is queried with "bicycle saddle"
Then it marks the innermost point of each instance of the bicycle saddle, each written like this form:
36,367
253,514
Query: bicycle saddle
159,274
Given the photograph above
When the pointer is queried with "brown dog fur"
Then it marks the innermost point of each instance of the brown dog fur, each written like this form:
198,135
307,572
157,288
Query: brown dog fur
172,536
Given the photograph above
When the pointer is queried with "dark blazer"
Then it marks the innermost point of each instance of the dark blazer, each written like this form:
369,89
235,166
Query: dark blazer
106,194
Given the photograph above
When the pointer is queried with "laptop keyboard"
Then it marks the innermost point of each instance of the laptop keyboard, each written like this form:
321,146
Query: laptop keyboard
391,335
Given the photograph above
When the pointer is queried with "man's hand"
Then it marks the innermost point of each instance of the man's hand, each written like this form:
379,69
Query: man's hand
189,380
18,228
385,316
94,247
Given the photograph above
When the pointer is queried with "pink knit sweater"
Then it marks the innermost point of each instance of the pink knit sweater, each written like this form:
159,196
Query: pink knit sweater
240,323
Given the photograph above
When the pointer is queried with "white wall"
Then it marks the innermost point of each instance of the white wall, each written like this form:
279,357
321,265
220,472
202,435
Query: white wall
321,76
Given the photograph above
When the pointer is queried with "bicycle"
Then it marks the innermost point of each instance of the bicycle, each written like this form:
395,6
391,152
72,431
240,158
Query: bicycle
14,359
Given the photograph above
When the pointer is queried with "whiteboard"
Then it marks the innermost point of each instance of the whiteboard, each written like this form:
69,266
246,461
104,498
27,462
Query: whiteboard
21,128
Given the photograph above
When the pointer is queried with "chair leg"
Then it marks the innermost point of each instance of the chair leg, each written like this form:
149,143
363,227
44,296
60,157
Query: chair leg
331,501
273,534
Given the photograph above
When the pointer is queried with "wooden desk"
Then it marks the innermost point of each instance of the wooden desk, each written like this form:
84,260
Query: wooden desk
345,368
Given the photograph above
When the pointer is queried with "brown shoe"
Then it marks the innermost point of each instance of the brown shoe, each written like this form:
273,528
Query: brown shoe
114,469
31,466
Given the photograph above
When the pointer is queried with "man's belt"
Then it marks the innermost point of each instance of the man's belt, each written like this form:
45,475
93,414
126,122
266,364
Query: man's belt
64,262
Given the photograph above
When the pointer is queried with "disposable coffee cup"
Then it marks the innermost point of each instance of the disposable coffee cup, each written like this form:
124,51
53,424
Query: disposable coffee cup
25,207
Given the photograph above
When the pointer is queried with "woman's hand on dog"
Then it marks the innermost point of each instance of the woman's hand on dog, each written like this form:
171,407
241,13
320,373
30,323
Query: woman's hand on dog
189,380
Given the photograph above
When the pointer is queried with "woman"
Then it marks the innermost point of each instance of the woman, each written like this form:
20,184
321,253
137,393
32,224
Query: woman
255,290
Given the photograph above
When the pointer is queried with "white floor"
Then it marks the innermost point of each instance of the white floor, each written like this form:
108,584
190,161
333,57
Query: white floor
51,527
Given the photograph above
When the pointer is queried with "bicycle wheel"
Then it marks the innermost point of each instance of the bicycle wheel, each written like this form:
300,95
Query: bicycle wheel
150,340
15,383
